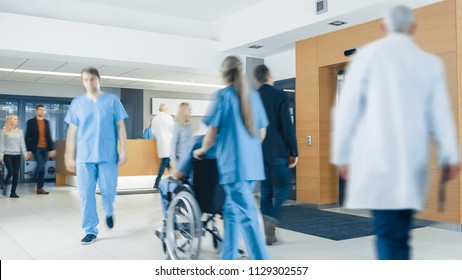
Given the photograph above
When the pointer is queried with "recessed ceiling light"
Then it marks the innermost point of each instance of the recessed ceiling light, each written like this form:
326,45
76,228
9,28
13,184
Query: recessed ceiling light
337,23
255,47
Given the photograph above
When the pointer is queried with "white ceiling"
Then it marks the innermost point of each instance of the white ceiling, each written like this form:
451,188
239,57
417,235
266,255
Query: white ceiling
234,25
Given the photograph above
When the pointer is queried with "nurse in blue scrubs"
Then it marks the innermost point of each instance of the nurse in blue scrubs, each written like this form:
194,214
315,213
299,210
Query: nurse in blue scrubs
237,122
96,123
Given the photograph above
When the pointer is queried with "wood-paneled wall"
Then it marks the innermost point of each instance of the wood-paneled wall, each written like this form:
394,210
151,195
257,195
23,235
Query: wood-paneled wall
439,32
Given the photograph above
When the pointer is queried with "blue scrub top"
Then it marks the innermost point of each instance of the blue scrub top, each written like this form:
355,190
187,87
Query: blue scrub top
186,159
96,124
239,155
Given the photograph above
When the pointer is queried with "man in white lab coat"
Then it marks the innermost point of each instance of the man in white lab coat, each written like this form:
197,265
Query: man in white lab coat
394,98
162,128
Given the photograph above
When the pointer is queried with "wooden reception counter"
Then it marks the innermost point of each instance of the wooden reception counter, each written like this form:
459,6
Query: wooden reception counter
142,160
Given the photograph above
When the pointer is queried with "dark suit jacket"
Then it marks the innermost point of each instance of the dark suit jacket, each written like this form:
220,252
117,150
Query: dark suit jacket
32,135
280,138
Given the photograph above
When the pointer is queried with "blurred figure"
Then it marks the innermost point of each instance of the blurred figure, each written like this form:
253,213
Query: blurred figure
393,99
40,144
96,125
182,133
162,128
147,133
237,120
280,151
12,147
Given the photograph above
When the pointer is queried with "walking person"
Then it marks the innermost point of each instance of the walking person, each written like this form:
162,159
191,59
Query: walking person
12,148
162,128
280,151
96,125
393,99
182,133
237,121
40,144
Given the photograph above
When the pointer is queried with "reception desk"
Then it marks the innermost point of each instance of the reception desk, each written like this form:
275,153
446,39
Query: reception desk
142,160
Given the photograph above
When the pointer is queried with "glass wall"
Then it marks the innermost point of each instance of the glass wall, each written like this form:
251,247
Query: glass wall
24,107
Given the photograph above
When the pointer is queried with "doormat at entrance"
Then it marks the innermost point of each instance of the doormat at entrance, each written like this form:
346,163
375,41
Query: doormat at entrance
325,224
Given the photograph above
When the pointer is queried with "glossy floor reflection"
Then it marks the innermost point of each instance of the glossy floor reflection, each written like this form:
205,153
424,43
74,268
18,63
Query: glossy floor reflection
48,227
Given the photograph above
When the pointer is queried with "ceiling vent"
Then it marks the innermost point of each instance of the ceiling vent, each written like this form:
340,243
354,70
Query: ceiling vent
321,6
337,23
255,47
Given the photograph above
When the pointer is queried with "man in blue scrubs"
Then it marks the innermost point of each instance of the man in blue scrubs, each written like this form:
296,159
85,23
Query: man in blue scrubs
96,122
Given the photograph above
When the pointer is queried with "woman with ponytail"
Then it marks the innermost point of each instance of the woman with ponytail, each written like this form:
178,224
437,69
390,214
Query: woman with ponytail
237,122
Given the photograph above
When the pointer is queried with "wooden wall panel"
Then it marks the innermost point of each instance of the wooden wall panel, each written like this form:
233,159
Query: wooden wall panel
458,10
307,98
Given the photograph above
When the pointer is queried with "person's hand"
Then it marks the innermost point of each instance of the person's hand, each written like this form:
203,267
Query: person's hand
450,171
26,156
343,171
52,154
122,157
1,159
197,154
70,165
293,162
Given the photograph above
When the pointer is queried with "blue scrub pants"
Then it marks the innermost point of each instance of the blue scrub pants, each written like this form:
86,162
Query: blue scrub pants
277,181
392,233
240,216
88,175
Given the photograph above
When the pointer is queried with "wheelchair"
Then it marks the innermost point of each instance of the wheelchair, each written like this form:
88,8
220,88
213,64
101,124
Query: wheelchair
192,213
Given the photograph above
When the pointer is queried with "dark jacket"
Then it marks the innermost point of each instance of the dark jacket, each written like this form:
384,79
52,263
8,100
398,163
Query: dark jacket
32,135
280,140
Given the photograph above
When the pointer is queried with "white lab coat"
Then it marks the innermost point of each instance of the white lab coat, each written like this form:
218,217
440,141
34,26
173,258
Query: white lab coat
162,128
394,98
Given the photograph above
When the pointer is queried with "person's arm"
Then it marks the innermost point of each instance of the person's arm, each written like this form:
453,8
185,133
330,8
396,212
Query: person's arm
50,142
262,133
208,142
288,131
123,142
2,145
174,144
24,151
69,153
443,128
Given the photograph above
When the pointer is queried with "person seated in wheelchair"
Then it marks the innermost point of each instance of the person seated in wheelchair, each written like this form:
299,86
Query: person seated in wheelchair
183,174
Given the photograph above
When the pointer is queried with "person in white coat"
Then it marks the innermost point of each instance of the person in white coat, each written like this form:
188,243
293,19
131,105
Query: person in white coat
394,98
162,128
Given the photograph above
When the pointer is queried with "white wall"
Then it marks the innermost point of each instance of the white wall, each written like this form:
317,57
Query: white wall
45,89
282,65
149,94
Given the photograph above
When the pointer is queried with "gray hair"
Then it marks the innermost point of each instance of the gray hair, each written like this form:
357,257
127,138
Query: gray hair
399,19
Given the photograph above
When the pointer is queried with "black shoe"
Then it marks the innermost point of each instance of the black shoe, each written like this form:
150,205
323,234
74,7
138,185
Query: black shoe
13,195
110,222
88,239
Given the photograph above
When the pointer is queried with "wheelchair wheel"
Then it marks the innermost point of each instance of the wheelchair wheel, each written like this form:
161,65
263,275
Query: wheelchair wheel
183,233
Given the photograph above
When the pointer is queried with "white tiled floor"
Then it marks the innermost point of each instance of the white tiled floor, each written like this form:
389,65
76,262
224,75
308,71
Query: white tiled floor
48,227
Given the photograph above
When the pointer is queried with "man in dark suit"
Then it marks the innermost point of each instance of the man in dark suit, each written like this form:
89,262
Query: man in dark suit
279,151
40,143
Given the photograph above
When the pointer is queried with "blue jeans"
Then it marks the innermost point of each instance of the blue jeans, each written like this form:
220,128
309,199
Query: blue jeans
392,233
164,163
240,216
41,156
277,182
